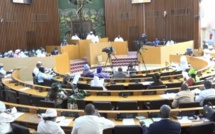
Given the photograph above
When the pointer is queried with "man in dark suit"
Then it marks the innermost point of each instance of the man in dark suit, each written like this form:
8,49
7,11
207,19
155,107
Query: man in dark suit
165,125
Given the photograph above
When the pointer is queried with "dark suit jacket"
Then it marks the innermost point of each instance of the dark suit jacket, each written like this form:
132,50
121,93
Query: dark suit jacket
164,126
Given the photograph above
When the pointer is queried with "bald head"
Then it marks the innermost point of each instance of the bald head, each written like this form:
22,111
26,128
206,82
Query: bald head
165,111
89,109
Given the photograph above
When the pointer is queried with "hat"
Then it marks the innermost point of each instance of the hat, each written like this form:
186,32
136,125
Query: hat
2,107
99,69
50,113
86,66
192,71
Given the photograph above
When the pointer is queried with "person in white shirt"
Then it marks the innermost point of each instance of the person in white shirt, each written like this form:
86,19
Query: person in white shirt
75,37
183,64
36,69
118,39
2,71
90,36
5,119
41,76
95,39
208,92
48,124
91,123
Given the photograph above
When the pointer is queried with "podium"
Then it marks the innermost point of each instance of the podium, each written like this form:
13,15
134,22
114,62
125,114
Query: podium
121,48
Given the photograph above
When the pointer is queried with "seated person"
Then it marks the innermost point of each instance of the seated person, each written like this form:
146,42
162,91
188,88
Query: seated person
64,42
101,74
118,39
6,118
41,76
95,39
2,71
55,51
119,74
48,123
75,37
57,95
131,67
36,69
208,92
86,71
185,95
165,125
90,36
156,80
157,42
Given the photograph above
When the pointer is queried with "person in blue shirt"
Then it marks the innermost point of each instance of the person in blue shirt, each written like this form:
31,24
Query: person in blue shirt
64,43
157,42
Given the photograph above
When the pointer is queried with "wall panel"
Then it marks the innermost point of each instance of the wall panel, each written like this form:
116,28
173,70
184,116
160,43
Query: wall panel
28,26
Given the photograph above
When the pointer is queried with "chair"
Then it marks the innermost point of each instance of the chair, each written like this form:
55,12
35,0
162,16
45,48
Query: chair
83,86
19,129
148,92
156,104
116,87
95,88
35,100
127,129
135,86
127,105
80,103
189,105
125,94
173,85
10,96
47,82
44,103
205,128
211,100
157,87
172,91
24,99
103,105
103,93
100,61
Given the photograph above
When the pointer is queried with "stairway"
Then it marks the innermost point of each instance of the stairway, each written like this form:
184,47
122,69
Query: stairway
77,65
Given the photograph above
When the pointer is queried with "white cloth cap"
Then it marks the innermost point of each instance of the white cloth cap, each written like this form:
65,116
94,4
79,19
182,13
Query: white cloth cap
50,113
2,107
39,62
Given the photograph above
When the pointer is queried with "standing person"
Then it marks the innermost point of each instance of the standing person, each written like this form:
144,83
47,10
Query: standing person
118,39
48,124
91,122
208,92
165,125
185,95
57,95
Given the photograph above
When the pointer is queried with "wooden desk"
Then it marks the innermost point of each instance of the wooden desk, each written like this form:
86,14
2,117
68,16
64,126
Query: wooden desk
121,48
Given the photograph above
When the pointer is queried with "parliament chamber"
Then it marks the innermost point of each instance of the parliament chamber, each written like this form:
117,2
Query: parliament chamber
127,102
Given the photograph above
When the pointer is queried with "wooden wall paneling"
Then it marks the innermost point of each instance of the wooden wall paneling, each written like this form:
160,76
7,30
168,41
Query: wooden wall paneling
29,26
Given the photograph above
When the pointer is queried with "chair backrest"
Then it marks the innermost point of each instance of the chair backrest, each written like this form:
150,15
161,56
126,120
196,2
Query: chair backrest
102,105
103,93
135,86
205,128
127,105
44,103
11,96
35,100
148,92
24,99
83,86
157,87
19,129
125,94
211,100
172,91
189,105
95,88
80,103
116,87
156,104
127,129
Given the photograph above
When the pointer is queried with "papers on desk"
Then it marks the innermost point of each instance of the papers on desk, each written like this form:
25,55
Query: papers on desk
156,119
146,82
18,114
128,121
65,122
147,122
25,88
59,119
140,118
184,120
168,96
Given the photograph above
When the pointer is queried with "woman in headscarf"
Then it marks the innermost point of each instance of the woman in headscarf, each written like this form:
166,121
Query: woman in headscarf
101,74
